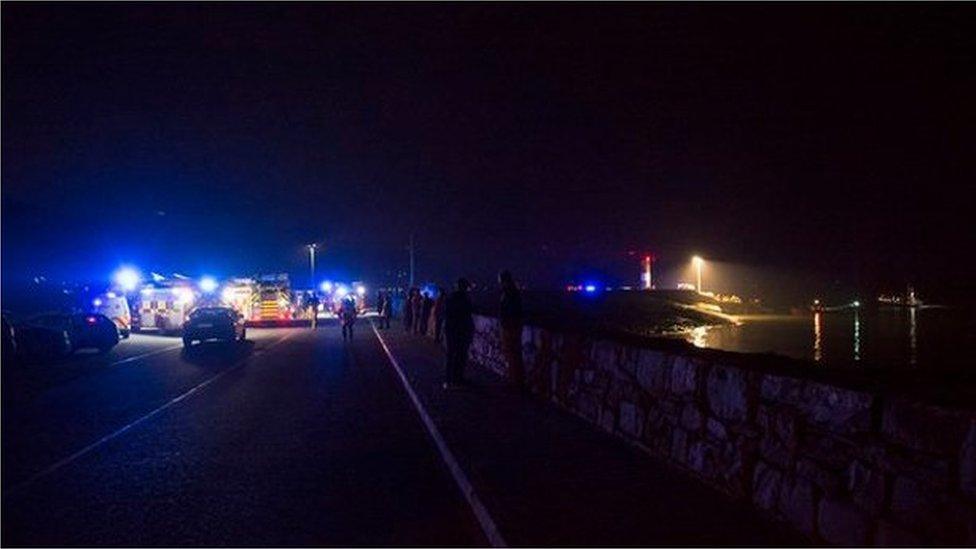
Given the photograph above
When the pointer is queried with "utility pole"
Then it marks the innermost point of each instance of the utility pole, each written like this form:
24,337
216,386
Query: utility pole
311,265
411,260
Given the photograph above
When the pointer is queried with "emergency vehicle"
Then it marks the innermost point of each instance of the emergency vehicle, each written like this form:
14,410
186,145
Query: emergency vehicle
274,298
165,309
116,307
241,294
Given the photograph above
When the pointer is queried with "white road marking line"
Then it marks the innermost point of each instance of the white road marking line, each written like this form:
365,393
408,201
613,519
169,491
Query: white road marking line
87,449
488,526
144,355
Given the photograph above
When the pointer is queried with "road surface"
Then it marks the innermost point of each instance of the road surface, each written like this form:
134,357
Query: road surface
299,438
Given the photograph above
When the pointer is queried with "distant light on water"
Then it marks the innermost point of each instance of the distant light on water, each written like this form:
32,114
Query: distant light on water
699,336
817,335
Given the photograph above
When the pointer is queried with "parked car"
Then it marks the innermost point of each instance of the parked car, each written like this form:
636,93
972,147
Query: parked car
84,331
37,341
206,323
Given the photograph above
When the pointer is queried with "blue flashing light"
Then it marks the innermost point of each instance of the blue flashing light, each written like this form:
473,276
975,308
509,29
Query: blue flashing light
326,286
590,288
208,284
127,278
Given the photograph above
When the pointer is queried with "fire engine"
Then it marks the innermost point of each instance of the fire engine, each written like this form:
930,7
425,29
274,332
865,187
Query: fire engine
273,298
241,294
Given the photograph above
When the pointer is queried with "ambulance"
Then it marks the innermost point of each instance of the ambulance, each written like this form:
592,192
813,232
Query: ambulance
164,309
116,307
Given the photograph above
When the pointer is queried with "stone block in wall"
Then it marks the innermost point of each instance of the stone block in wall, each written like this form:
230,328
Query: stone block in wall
631,420
834,451
653,371
837,409
866,485
608,419
605,355
657,436
730,394
691,418
840,522
967,463
797,504
778,434
586,405
629,358
827,481
897,460
715,430
889,534
766,484
686,374
701,458
679,446
827,406
925,427
622,389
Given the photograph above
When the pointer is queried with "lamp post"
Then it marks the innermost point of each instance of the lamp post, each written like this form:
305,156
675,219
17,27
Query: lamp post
698,262
311,264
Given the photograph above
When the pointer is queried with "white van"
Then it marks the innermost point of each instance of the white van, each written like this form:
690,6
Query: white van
116,307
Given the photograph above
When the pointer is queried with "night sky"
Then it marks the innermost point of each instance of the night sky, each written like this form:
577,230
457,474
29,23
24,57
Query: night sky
546,138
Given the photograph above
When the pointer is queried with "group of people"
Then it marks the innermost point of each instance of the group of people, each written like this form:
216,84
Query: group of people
424,314
449,317
345,309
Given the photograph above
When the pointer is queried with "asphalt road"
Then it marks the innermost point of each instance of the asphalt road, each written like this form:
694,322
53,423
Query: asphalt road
298,438
295,438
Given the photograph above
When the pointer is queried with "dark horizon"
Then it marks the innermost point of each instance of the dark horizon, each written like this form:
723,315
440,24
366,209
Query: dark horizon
830,140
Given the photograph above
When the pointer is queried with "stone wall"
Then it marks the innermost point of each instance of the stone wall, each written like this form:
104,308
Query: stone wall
844,465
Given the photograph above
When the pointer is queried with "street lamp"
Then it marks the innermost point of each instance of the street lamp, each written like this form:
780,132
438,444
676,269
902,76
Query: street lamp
698,262
311,264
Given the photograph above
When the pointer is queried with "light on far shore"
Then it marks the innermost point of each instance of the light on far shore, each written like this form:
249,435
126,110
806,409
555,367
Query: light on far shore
698,262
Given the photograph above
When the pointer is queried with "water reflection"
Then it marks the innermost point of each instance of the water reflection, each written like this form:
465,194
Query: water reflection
817,336
912,337
889,338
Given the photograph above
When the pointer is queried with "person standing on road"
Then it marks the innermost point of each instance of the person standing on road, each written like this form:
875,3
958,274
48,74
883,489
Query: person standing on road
408,310
459,330
417,304
510,317
313,310
349,314
426,304
437,317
